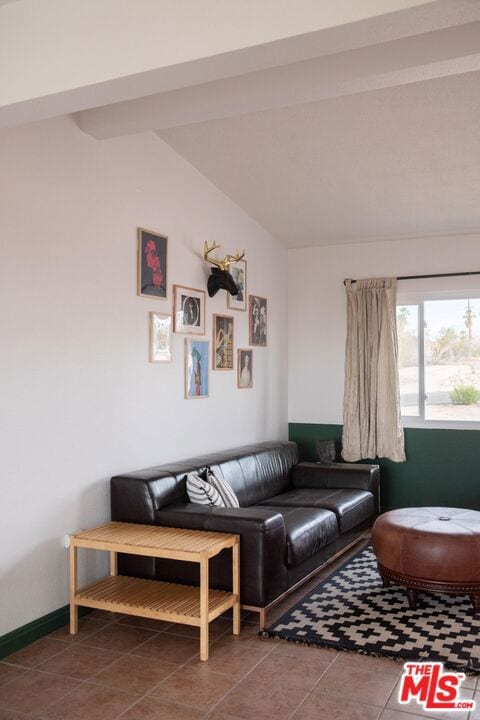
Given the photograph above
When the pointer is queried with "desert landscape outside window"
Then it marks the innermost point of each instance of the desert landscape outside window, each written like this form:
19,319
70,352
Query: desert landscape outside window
439,359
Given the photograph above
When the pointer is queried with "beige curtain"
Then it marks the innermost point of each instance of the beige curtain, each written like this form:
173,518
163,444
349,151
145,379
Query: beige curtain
371,405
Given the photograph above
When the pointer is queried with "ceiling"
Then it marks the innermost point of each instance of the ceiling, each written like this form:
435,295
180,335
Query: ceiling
366,131
384,164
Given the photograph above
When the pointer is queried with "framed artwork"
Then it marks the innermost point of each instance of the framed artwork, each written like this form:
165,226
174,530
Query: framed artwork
188,310
196,368
152,264
239,274
160,337
257,320
245,369
222,342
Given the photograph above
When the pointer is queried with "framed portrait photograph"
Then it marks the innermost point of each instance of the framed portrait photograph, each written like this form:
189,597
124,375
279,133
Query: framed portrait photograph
160,337
239,274
196,368
188,310
244,368
222,342
257,320
152,264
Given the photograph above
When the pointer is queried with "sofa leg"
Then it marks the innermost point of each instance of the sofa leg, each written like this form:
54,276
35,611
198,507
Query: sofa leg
262,616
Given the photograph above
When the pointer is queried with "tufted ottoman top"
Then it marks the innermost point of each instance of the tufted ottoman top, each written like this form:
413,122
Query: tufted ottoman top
432,543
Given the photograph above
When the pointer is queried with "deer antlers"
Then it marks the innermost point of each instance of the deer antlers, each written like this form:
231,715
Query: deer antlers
227,260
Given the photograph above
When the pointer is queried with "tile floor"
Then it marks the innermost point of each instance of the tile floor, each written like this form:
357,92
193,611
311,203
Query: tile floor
134,669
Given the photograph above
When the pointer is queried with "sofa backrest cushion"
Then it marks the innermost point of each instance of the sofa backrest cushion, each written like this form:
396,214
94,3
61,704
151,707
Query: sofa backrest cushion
255,472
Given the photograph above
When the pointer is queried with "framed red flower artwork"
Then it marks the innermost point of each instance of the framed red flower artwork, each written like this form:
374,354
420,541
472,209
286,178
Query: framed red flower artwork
152,264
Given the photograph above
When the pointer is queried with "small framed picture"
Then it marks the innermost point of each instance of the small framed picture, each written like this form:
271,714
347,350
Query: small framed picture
196,368
160,337
188,310
257,317
152,264
239,274
222,342
245,369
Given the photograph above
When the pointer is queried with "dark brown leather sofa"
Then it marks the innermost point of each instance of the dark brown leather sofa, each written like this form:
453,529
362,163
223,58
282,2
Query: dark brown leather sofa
293,517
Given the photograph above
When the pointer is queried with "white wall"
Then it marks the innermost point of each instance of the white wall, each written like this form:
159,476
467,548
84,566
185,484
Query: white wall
79,401
317,308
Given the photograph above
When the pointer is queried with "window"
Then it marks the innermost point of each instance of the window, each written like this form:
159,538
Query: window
439,360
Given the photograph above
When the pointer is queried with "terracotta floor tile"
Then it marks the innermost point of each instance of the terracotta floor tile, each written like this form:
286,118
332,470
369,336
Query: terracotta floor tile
91,702
171,648
34,691
79,661
255,697
303,653
414,709
221,715
388,714
10,672
245,642
244,615
350,683
151,708
36,653
325,707
135,674
105,615
141,622
217,628
86,626
120,638
234,658
475,714
299,670
6,714
247,628
248,634
196,685
368,662
470,682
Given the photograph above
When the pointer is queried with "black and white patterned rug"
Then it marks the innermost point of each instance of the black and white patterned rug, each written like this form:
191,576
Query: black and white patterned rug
352,611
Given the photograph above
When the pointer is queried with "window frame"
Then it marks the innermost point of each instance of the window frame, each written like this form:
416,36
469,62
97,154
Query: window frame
419,299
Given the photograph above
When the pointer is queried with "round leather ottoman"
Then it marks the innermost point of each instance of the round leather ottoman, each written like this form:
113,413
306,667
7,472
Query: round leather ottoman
432,549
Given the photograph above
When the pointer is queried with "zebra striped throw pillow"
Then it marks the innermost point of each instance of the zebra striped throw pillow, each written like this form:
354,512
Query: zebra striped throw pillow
224,489
202,492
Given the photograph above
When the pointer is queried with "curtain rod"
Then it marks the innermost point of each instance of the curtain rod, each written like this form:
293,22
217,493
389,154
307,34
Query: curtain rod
436,275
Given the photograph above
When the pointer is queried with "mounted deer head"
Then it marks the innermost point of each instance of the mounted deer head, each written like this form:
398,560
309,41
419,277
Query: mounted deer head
221,279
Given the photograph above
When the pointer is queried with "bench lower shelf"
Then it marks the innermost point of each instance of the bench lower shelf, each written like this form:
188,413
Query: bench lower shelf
153,599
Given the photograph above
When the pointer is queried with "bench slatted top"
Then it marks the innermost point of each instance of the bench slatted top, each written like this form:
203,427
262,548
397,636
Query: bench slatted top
154,540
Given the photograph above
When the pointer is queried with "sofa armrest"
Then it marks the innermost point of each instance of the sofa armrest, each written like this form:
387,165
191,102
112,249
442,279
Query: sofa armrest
262,543
338,475
132,499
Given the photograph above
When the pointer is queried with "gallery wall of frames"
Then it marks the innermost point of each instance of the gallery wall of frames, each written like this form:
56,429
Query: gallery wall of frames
188,317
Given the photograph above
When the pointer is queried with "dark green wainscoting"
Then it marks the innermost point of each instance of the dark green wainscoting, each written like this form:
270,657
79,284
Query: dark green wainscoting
442,467
22,636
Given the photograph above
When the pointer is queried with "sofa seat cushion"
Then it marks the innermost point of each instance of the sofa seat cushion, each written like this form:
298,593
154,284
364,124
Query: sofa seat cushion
352,507
307,531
